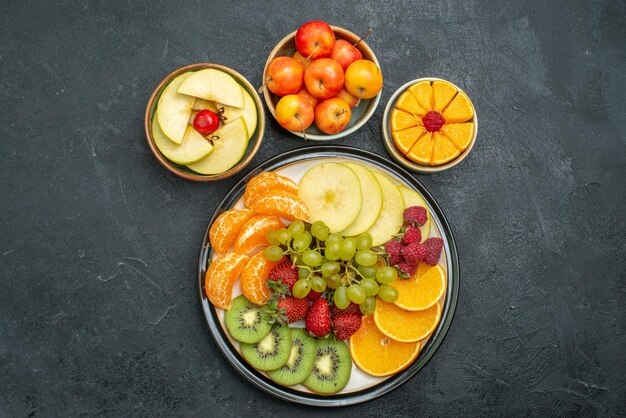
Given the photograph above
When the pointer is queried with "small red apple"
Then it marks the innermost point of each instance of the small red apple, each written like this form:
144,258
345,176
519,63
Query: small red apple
345,53
304,61
284,76
312,99
315,39
324,78
363,79
294,112
332,115
348,98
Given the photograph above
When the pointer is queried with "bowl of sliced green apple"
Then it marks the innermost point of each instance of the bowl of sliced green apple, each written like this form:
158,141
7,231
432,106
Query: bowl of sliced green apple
204,122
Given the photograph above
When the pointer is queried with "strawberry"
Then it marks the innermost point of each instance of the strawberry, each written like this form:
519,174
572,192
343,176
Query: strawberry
313,295
284,273
317,320
352,308
293,309
414,253
412,235
433,250
346,325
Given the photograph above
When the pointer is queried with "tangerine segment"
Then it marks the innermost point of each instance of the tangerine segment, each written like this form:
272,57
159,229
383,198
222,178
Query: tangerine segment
402,120
422,150
409,103
443,150
459,110
422,290
443,93
252,234
376,354
281,203
221,276
225,229
405,139
265,181
423,92
459,133
254,279
406,326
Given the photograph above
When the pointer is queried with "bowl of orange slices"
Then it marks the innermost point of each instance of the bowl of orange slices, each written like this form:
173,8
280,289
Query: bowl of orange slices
429,125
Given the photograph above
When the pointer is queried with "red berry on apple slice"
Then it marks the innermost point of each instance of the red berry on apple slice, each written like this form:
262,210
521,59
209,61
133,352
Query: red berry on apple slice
206,122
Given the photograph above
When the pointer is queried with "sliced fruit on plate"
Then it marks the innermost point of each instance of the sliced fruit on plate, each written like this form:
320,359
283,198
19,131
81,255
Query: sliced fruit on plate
412,198
301,358
226,228
332,367
459,133
252,235
402,120
265,181
406,326
281,203
230,146
254,279
405,139
443,92
443,150
201,104
271,352
421,291
390,219
376,354
246,322
213,85
332,192
173,110
248,112
220,278
409,103
193,147
372,201
422,151
423,92
459,110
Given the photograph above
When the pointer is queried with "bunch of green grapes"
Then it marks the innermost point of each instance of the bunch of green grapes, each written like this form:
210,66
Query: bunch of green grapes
348,267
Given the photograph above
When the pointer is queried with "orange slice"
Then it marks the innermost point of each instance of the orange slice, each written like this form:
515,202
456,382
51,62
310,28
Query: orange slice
459,133
252,233
265,181
254,279
443,150
406,326
225,229
376,354
422,150
421,291
409,103
221,276
405,139
443,92
459,110
402,120
281,203
423,92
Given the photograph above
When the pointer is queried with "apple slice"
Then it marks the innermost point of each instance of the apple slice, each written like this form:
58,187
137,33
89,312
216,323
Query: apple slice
201,104
249,112
390,219
412,198
332,192
372,201
193,148
230,146
214,85
174,109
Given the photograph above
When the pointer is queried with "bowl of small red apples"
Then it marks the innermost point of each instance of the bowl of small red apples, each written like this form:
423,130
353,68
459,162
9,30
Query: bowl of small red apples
322,82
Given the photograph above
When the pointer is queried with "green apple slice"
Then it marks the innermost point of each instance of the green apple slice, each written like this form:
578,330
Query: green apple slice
372,201
193,148
214,85
230,146
332,192
412,198
391,218
173,110
249,112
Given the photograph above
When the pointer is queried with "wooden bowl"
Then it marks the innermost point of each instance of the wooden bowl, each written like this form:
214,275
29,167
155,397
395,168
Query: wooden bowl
253,143
360,114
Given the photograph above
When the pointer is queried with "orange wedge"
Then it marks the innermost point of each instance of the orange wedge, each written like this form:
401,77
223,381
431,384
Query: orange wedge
280,203
422,151
459,133
402,120
225,229
376,354
406,326
423,92
405,139
443,150
409,103
443,92
459,110
221,276
265,181
254,279
421,291
252,235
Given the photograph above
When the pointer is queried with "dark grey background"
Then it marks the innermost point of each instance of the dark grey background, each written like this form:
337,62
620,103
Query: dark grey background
99,312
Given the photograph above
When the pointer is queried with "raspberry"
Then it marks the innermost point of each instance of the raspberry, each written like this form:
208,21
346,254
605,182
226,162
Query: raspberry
407,269
284,272
394,248
412,235
433,121
346,325
415,215
414,253
433,250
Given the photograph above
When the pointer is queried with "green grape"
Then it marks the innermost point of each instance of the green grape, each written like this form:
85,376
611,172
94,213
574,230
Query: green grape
317,229
272,237
332,250
366,258
283,235
356,293
312,258
318,284
369,306
387,293
341,297
333,281
296,259
302,242
364,241
370,286
273,253
386,275
301,289
367,271
334,237
330,268
303,273
296,228
348,247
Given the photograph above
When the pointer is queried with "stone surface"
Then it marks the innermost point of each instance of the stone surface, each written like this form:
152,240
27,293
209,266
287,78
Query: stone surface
98,300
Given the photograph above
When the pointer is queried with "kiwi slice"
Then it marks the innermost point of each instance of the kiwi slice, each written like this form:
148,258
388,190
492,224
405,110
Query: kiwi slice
271,352
301,358
246,321
331,369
